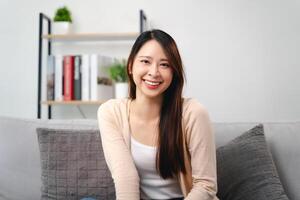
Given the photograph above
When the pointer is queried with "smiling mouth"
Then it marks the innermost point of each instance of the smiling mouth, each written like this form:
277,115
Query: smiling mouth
152,83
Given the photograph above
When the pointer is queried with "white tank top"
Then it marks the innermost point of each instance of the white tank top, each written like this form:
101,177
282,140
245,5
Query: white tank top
152,186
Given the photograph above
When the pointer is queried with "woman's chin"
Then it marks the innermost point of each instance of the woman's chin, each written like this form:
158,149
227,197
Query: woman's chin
151,94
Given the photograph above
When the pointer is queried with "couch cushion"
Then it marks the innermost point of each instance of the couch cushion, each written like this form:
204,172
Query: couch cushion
20,169
246,170
73,165
283,141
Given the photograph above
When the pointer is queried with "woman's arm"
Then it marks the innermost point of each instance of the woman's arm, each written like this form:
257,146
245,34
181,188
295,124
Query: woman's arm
201,145
117,155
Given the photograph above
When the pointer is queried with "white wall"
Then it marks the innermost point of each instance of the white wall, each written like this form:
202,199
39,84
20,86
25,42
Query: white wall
241,57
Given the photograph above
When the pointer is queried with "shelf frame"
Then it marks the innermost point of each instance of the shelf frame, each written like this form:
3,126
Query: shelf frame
42,18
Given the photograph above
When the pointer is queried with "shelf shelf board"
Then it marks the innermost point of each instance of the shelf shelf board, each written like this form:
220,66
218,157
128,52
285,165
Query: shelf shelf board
92,36
73,102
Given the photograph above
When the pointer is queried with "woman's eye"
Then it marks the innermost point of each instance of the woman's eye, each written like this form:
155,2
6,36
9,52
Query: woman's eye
145,61
165,64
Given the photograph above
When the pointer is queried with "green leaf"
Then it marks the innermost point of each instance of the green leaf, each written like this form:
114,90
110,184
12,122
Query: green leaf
117,72
63,14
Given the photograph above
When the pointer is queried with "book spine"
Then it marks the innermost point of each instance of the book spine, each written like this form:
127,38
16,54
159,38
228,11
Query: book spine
77,77
94,76
68,78
58,78
85,78
50,77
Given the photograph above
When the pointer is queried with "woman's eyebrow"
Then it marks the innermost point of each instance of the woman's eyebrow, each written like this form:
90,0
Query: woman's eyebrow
146,57
149,57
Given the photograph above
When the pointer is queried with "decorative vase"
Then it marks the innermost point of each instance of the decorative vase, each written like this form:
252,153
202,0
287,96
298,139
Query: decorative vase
61,27
121,90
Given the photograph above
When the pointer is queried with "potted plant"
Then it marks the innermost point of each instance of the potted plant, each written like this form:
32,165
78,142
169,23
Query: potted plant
117,72
62,21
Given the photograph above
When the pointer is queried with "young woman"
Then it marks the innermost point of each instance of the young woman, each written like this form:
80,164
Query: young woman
157,144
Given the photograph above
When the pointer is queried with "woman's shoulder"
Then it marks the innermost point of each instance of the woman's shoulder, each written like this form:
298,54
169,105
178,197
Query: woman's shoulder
194,115
193,111
113,105
192,105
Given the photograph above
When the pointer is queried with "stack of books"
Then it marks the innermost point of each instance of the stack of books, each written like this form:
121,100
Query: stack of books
79,77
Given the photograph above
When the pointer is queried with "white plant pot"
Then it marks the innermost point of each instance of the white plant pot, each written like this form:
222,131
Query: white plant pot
61,27
121,90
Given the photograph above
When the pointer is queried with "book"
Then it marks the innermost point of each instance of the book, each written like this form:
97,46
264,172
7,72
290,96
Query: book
85,77
68,66
77,77
50,77
58,89
94,72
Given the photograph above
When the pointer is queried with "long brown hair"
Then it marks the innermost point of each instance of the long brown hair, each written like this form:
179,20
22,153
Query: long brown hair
170,154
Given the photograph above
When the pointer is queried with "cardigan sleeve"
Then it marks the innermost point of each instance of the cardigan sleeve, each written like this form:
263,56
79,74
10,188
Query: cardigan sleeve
117,154
201,146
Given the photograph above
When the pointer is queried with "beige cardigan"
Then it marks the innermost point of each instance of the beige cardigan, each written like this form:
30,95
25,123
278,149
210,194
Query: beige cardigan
200,181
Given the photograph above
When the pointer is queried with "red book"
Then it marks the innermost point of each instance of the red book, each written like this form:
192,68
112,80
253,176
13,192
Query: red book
68,78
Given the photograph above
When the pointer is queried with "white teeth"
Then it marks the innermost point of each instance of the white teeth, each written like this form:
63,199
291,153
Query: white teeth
152,83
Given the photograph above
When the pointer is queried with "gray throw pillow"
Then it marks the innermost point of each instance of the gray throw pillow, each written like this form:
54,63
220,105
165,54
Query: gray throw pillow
73,165
246,170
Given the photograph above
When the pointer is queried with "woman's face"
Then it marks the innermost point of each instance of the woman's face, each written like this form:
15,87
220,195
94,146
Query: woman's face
151,71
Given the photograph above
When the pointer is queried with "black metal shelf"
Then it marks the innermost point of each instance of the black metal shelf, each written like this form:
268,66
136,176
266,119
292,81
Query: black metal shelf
74,37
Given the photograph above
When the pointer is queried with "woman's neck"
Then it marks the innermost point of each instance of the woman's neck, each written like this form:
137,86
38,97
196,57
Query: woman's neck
146,109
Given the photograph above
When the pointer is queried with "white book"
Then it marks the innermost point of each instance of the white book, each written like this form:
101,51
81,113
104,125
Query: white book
58,77
95,60
85,77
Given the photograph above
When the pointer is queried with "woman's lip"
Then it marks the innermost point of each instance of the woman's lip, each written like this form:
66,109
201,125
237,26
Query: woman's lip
152,87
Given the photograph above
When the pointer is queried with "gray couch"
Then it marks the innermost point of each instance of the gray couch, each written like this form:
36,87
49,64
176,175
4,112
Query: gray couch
20,168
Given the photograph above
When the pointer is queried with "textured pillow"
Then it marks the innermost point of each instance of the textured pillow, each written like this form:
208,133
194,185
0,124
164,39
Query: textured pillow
246,170
73,165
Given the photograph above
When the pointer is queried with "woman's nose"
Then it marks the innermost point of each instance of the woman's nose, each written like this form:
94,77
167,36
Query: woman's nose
153,70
